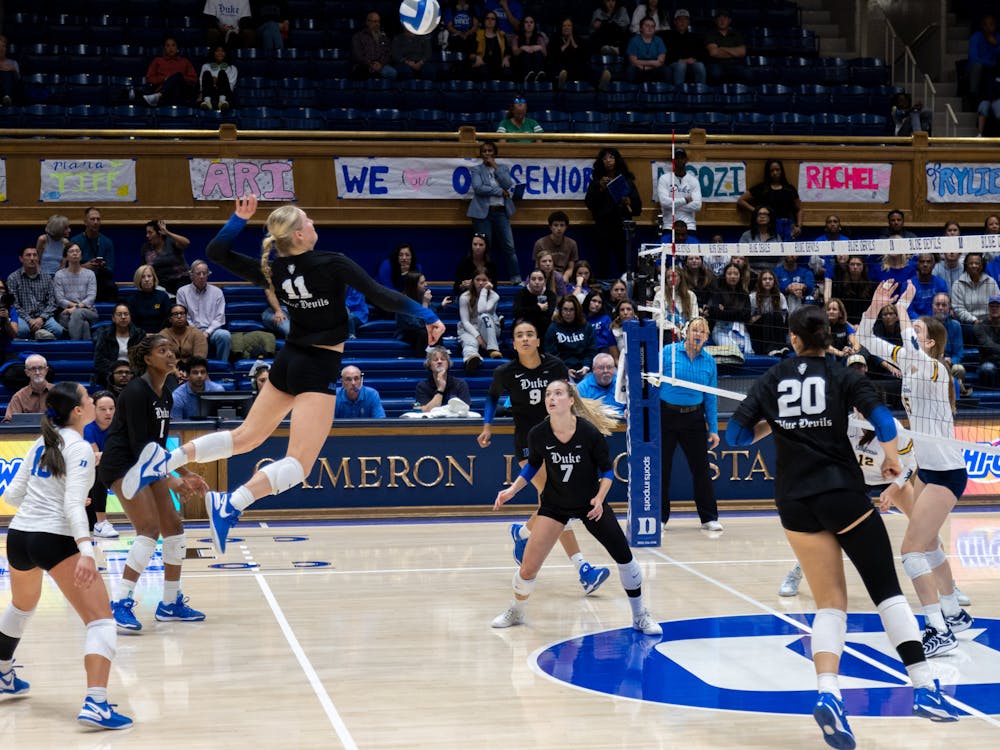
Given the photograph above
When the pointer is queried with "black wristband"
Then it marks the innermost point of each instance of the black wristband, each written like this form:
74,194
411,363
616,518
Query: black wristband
439,393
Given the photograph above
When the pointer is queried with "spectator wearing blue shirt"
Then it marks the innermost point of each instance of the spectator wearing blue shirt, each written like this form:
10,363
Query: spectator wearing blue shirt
832,232
647,54
691,418
186,395
95,433
795,282
356,400
599,384
508,12
600,321
984,48
462,25
928,286
954,349
896,268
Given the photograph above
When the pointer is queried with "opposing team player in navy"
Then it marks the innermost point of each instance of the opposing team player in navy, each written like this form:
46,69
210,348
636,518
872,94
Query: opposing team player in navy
50,532
820,494
525,379
312,286
571,447
929,398
142,418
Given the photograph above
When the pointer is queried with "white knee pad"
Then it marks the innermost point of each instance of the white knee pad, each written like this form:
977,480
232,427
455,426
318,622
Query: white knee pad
521,586
13,621
213,446
284,474
829,632
898,620
915,564
936,557
631,575
140,553
101,639
174,549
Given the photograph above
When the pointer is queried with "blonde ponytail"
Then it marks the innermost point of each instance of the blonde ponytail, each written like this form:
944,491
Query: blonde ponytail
599,414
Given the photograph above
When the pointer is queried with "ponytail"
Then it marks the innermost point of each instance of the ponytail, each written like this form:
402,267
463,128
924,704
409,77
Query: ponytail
596,412
59,404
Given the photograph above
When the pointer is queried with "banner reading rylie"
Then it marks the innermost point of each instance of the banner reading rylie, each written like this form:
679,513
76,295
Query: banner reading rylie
88,181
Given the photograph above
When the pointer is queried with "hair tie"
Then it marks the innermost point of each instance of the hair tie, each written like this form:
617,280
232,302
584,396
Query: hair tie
50,413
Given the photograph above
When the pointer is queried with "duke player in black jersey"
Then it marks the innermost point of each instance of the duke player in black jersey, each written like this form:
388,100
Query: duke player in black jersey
525,378
142,419
820,493
570,445
312,286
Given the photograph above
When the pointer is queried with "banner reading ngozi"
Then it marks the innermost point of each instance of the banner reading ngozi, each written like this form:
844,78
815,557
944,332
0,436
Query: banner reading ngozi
87,180
966,183
401,178
225,179
721,181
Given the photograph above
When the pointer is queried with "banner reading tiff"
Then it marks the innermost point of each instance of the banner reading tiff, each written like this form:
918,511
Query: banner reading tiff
88,180
225,179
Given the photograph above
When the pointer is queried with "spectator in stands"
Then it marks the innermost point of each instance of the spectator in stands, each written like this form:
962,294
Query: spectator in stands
411,328
218,79
52,244
768,317
651,9
535,303
121,374
492,207
615,293
229,24
895,226
75,289
8,322
680,236
554,280
409,53
954,351
357,312
887,326
796,282
762,227
894,267
356,400
478,260
599,383
647,55
680,191
853,287
624,310
371,50
10,76
928,286
729,310
164,251
529,48
148,305
600,321
440,386
31,398
491,60
275,317
479,326
949,268
259,374
98,254
35,299
517,120
186,394
611,207
570,338
988,111
832,230
462,24
970,295
844,340
567,57
272,19
700,280
206,306
393,269
778,195
112,344
584,278
908,117
726,49
564,250
187,341
509,14
987,337
685,50
609,28
171,78
680,302
984,48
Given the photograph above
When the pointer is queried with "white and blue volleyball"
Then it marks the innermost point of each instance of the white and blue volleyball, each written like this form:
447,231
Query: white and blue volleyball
420,16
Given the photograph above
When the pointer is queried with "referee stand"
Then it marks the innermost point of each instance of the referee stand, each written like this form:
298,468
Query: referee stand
642,355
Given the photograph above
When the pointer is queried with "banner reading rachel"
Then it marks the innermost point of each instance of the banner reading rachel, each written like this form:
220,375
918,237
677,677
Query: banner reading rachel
225,179
87,181
394,178
963,183
840,182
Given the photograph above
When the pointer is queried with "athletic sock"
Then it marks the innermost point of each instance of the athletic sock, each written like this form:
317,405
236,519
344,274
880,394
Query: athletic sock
921,674
935,618
635,602
949,604
123,589
6,665
578,560
170,591
98,694
524,532
241,499
828,682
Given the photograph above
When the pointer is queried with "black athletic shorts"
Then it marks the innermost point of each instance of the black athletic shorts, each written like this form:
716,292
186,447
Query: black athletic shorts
827,511
27,550
953,479
306,369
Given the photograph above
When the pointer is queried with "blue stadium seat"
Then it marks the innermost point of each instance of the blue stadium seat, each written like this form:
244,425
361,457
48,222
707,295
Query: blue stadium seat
880,98
459,95
671,122
130,117
797,71
631,121
303,118
419,94
792,123
774,97
849,99
258,118
308,39
106,34
84,88
591,122
760,69
85,58
172,118
799,41
378,93
42,116
830,123
386,118
329,62
696,97
763,40
737,97
427,120
553,120
482,121
657,97
338,92
87,116
444,65
812,98
832,71
751,123
42,87
42,58
345,118
255,92
291,62
296,92
869,124
713,122
613,63
497,95
619,95
577,96
540,95
869,71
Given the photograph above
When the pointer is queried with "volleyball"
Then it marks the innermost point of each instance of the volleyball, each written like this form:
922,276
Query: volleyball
420,16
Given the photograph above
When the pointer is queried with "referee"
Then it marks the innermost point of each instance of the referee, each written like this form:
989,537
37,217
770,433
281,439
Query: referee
691,418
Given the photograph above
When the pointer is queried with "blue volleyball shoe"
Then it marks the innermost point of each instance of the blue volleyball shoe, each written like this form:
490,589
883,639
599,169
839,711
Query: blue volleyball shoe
591,578
178,611
931,704
222,516
101,715
11,684
151,467
121,610
519,543
829,714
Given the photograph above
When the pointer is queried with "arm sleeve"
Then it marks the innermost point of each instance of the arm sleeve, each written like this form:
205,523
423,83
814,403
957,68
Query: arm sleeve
220,251
738,434
528,472
882,421
385,299
493,395
79,479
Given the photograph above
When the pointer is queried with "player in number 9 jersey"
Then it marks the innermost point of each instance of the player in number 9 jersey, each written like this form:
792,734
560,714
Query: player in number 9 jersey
819,491
570,445
312,285
525,378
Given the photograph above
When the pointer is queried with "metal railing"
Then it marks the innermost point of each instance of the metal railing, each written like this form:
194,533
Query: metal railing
911,71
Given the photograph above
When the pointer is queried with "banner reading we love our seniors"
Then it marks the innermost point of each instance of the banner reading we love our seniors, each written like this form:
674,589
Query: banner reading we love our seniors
965,183
839,182
399,178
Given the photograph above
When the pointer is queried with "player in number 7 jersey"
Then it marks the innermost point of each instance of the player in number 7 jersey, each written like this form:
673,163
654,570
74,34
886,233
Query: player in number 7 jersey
312,285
